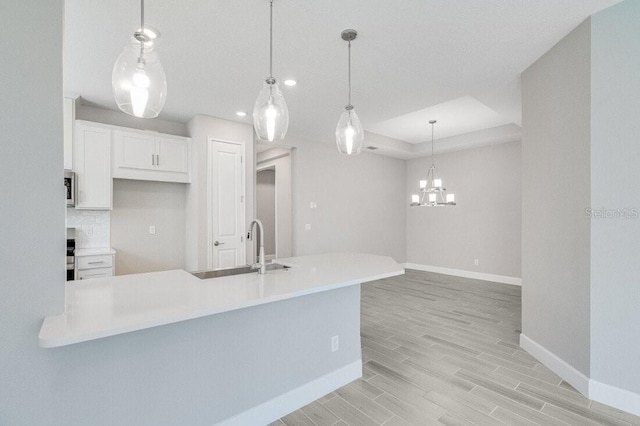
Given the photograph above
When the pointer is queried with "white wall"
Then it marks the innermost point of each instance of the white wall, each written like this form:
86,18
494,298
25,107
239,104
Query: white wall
556,175
361,201
615,179
138,205
201,128
486,222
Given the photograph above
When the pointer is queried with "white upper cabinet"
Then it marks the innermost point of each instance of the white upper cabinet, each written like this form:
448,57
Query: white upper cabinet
134,151
92,164
151,156
69,115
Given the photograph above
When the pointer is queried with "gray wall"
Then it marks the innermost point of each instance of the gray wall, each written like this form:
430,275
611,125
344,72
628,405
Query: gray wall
32,208
555,192
266,207
615,242
486,222
117,118
136,206
361,201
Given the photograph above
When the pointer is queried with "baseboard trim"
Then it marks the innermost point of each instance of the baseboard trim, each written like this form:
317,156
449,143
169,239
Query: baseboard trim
465,274
621,399
556,364
282,405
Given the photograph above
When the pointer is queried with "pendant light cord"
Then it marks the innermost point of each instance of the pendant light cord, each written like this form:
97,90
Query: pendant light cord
271,39
349,72
142,31
142,16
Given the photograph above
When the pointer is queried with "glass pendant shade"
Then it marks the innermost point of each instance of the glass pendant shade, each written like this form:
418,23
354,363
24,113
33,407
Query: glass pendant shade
349,133
138,80
270,113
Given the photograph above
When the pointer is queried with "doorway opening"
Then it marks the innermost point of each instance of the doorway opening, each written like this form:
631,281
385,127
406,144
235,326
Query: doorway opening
274,201
266,210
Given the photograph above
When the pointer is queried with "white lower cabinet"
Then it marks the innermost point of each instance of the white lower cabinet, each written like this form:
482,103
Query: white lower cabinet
95,266
92,164
95,273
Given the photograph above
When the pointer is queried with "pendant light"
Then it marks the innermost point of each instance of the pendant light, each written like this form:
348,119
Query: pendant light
349,133
270,113
138,80
433,194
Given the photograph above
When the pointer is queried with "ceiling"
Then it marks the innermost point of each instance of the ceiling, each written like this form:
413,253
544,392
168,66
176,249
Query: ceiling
456,61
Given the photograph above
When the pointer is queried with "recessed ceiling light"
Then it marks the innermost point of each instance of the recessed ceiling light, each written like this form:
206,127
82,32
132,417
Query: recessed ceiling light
241,114
290,83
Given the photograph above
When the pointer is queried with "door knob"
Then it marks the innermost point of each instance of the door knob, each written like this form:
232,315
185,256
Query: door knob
218,243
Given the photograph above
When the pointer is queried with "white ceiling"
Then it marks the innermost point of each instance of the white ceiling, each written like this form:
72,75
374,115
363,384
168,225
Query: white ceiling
456,61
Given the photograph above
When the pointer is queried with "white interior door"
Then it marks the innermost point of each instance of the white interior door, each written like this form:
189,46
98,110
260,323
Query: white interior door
226,204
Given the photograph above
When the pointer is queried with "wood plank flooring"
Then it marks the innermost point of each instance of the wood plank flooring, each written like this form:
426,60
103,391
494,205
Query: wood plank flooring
442,350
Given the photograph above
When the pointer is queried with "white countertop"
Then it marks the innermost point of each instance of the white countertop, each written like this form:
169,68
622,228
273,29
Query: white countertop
105,307
94,251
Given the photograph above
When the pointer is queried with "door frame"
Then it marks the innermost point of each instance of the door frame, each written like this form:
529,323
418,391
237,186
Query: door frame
243,189
273,167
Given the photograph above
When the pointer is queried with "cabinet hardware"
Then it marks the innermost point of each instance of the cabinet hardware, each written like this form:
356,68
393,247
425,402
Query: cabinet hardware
218,243
96,263
153,160
157,159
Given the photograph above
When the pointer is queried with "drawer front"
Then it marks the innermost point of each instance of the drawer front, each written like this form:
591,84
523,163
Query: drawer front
92,262
95,273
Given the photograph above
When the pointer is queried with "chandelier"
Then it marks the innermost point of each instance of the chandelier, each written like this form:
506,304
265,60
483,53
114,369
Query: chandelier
433,193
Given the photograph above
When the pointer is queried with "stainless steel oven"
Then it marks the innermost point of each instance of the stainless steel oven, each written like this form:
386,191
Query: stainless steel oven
71,252
70,186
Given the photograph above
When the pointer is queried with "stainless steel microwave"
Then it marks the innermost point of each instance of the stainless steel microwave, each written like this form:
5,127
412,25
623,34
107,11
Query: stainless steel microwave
70,187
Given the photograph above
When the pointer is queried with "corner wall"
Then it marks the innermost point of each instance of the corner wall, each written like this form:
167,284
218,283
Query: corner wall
615,179
201,128
484,225
555,193
137,205
360,201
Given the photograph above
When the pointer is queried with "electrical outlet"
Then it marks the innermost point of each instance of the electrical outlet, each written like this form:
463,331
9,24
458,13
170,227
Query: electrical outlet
476,262
88,231
313,205
335,343
152,229
307,227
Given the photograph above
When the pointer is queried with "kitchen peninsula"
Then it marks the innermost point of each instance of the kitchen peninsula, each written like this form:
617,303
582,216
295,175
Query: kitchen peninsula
246,348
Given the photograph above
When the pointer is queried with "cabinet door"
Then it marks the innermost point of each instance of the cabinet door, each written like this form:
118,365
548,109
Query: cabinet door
92,161
134,151
173,155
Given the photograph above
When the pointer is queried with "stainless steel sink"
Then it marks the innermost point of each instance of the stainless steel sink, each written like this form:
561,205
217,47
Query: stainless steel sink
246,269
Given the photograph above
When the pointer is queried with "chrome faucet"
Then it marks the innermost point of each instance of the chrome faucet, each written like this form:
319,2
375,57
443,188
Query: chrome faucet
261,264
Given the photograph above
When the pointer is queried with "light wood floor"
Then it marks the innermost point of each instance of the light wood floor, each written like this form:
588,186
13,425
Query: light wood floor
444,350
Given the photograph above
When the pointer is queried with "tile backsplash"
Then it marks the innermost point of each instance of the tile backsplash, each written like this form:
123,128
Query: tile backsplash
93,227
